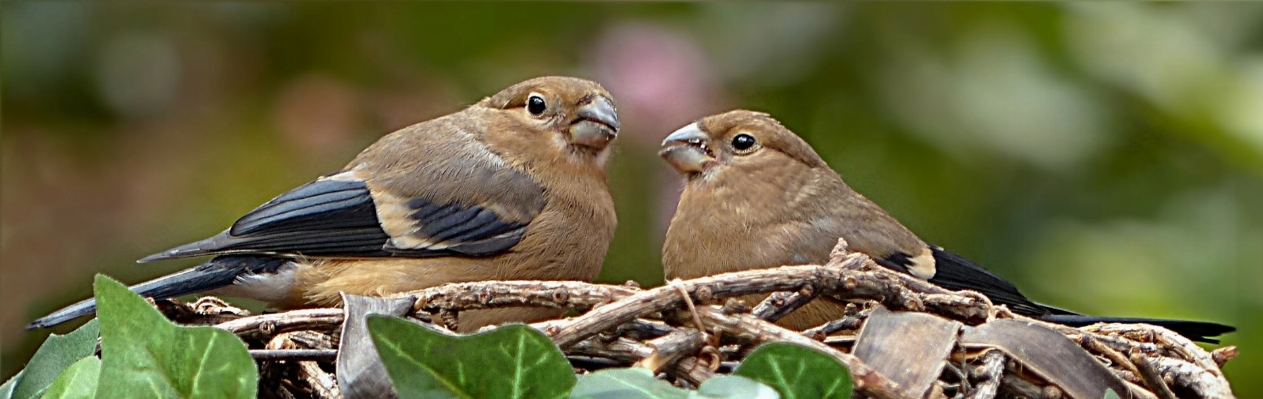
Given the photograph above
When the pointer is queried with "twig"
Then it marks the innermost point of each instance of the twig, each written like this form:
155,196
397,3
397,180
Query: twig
840,340
670,348
623,350
323,385
627,352
688,302
1093,344
324,355
272,324
205,310
1222,355
1163,338
493,294
852,321
1021,388
1150,375
692,370
642,329
988,375
780,304
1190,377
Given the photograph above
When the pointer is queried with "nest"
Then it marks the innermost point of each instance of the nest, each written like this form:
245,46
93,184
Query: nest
688,331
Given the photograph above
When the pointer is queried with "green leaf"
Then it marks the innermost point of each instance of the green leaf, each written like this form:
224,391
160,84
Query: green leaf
1110,394
145,356
52,357
512,361
797,372
733,387
6,390
639,383
78,381
628,383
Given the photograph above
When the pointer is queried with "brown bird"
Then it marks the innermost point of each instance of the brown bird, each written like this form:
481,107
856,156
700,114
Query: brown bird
757,196
510,188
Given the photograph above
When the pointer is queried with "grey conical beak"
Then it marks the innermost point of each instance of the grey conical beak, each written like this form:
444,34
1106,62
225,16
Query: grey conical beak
688,150
597,125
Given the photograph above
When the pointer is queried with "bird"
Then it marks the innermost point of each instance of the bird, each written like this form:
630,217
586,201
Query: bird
512,187
756,195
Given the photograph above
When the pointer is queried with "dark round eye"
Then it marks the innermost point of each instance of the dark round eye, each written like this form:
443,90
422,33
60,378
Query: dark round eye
743,142
535,104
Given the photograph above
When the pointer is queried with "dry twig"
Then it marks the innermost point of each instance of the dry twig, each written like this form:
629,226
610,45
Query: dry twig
988,375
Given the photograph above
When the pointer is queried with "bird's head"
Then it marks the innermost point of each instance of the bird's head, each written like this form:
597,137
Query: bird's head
742,141
577,117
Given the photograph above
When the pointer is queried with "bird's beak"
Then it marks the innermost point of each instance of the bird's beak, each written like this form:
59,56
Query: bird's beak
597,124
688,150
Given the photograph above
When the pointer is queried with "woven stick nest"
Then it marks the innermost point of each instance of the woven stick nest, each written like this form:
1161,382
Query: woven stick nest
688,331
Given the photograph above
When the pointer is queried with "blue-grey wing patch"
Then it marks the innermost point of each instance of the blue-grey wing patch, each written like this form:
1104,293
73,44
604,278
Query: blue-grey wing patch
339,218
470,230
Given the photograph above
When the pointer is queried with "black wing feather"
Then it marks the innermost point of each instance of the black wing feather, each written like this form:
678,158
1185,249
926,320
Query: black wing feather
319,205
339,218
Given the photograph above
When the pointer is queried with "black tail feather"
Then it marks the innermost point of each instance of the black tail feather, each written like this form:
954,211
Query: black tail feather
1199,331
218,272
954,272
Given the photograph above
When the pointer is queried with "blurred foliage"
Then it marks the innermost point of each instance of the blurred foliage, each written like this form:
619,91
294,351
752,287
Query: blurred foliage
1105,157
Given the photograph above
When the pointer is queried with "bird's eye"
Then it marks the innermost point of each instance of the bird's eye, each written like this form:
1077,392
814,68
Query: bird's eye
742,142
535,104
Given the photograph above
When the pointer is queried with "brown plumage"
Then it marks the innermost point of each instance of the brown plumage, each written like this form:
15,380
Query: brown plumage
757,196
510,188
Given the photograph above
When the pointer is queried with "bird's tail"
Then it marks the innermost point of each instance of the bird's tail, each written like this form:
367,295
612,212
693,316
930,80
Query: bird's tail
215,273
1200,331
954,272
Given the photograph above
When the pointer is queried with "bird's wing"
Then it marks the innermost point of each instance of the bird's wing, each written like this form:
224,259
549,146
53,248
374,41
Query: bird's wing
450,196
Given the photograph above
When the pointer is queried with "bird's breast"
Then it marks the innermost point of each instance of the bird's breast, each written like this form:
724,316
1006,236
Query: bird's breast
569,239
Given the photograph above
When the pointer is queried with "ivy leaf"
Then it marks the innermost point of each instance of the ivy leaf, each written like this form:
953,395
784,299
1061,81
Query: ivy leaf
512,361
733,387
797,372
52,357
6,390
628,383
79,381
145,356
639,383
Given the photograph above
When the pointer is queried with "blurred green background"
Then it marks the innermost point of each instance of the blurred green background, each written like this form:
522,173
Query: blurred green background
1105,157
